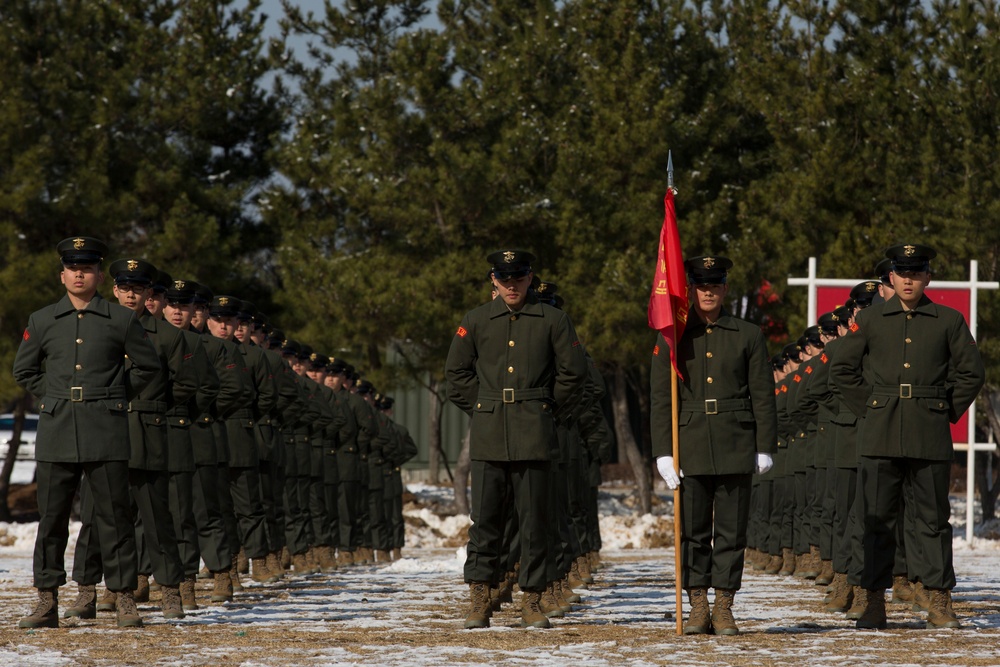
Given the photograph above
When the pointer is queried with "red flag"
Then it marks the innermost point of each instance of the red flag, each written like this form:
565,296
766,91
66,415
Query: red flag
668,299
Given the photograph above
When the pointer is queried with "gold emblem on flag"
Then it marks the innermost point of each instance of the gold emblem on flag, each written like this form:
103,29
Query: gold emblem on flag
709,262
661,288
223,300
132,265
909,250
508,256
78,243
178,284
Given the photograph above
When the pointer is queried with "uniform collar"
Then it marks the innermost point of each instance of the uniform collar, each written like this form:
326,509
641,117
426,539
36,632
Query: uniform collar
97,305
725,321
531,308
924,307
148,322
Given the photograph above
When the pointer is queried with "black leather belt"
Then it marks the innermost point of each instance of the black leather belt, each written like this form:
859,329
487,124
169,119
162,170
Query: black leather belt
713,406
910,391
80,394
516,395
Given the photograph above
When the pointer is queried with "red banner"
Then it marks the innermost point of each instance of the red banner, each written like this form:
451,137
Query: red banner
668,299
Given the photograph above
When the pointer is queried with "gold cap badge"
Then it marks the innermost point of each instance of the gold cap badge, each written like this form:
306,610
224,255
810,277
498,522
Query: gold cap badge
223,300
909,250
508,257
709,262
178,284
313,357
869,287
78,243
132,265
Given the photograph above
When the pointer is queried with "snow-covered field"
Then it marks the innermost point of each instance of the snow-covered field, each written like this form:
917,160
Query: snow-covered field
410,613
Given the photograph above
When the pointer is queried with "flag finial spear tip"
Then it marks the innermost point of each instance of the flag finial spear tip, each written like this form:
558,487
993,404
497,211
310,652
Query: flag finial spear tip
670,172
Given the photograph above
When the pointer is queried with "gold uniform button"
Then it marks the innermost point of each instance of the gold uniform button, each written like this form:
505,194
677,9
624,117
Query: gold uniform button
181,422
910,316
479,405
513,317
79,367
511,343
940,405
709,380
79,316
510,369
708,330
906,365
708,354
79,341
157,420
909,340
875,402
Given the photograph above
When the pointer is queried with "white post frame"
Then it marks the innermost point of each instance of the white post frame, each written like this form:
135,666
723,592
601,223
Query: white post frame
973,285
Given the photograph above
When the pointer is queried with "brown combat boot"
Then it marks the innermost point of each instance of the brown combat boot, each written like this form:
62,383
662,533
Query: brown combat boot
921,598
109,601
396,553
825,576
583,565
141,592
261,573
345,558
382,556
575,580
859,604
773,565
273,562
204,573
234,576
171,602
301,564
286,558
787,562
722,612
328,559
842,595
595,561
902,590
568,592
242,562
46,611
480,612
873,617
531,610
128,613
85,605
700,618
941,614
557,593
812,563
222,591
188,600
548,604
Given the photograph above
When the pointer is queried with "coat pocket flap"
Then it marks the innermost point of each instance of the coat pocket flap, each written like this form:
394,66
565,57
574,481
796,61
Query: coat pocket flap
879,402
485,406
935,404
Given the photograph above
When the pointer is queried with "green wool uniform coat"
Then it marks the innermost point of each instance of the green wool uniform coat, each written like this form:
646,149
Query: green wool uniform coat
727,405
63,349
514,372
927,354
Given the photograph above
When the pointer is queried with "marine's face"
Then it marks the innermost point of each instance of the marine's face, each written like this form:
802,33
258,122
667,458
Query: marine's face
155,302
222,327
318,377
179,314
335,381
513,291
132,296
81,280
709,298
909,285
199,316
243,331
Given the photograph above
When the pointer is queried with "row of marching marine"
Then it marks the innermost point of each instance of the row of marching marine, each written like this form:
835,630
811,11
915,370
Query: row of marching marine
857,500
195,433
829,461
537,440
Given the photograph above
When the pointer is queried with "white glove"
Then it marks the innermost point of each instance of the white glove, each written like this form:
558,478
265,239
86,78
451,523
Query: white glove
665,466
764,463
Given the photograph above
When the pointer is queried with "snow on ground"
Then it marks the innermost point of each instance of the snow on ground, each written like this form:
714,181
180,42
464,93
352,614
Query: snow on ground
409,613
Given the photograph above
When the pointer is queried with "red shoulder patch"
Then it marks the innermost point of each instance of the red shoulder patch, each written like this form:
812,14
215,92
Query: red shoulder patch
809,370
824,358
784,389
656,349
797,378
188,356
462,332
26,335
777,391
854,326
576,343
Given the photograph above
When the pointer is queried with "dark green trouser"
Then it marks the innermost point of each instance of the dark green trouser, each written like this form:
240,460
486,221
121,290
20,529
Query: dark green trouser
882,484
800,505
348,501
244,485
181,498
844,523
105,483
782,519
212,542
828,508
715,510
759,532
495,486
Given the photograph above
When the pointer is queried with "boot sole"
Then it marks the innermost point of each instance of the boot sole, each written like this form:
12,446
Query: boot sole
31,625
477,625
107,607
130,624
88,614
949,625
537,624
869,626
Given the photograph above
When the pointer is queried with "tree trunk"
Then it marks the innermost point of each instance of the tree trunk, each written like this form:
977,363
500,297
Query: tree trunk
987,480
434,450
626,440
462,469
8,463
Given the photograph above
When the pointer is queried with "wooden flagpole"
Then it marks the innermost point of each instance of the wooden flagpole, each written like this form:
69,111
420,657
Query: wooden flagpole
675,429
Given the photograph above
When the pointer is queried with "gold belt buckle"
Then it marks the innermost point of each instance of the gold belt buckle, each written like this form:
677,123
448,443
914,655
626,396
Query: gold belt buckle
711,406
76,394
906,391
508,395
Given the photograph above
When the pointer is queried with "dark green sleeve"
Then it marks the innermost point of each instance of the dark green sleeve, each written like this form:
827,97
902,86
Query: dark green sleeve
660,416
460,368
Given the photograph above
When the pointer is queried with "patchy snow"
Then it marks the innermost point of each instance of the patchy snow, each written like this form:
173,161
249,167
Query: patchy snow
409,612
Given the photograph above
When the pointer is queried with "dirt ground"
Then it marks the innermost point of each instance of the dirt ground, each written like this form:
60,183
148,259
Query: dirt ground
405,615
